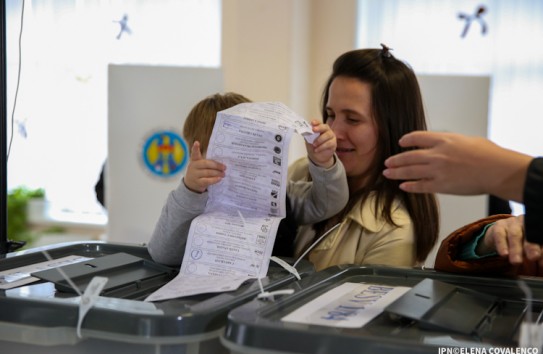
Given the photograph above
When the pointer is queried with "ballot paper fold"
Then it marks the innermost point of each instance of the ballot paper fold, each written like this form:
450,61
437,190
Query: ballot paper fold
232,240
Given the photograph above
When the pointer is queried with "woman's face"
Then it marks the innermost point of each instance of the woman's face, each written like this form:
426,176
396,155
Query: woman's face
350,117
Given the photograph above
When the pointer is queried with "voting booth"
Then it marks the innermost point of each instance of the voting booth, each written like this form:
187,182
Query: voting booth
377,309
45,316
147,156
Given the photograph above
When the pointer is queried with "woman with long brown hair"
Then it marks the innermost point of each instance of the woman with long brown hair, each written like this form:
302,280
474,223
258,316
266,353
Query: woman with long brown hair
370,100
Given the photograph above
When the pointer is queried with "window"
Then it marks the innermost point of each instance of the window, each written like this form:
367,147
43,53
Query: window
428,35
59,139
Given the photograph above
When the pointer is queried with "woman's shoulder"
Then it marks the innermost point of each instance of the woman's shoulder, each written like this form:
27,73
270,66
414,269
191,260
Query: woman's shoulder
367,213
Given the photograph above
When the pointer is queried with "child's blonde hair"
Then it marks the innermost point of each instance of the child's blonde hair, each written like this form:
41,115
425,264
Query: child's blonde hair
201,119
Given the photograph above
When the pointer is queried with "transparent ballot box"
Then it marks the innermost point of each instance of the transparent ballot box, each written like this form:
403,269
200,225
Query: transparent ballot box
385,310
43,316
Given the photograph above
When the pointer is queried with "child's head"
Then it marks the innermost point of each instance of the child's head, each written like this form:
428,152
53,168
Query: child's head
201,119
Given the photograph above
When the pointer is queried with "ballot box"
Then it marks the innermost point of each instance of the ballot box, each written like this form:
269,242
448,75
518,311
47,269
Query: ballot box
384,310
44,316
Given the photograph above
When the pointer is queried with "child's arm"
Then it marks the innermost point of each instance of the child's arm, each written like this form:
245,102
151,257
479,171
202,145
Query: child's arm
167,243
321,198
327,193
321,152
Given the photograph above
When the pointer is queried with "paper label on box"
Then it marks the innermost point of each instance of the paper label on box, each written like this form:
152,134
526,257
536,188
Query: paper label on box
350,305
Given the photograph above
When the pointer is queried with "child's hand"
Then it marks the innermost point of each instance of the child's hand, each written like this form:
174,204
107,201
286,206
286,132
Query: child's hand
321,152
202,173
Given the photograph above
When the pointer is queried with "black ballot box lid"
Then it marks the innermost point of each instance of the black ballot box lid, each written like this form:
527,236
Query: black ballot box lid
429,310
38,308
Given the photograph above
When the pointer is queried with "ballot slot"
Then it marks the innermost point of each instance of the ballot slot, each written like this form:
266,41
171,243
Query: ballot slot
437,305
128,276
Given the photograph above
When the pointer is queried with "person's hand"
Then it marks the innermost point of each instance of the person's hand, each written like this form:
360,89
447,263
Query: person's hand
202,173
506,237
457,164
321,152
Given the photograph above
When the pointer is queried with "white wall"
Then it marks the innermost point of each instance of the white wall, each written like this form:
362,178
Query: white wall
283,50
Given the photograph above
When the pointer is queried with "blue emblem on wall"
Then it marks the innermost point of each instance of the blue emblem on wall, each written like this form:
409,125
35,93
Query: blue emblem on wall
165,153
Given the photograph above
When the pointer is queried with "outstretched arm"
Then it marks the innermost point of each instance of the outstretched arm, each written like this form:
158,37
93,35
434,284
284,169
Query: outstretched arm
457,164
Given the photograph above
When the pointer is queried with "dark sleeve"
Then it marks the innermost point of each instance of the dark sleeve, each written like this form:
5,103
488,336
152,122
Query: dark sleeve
533,202
498,206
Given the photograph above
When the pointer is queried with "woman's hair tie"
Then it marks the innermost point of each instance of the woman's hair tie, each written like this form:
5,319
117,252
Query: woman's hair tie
385,52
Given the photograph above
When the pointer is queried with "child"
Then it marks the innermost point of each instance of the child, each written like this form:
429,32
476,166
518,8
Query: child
307,202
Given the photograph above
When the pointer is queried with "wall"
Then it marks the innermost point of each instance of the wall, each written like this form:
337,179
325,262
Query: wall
283,50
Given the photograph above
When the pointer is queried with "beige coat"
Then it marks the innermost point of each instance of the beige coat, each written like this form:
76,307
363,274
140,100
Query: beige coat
362,238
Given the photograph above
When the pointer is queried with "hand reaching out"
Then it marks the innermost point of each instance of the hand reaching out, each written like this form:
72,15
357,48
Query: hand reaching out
506,237
321,152
457,164
202,173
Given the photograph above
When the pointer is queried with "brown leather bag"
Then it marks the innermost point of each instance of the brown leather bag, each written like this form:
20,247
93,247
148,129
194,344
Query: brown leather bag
447,254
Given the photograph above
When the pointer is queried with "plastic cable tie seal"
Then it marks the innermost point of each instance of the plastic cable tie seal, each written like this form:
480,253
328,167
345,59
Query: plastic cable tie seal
287,266
252,255
89,298
270,295
531,333
316,243
62,273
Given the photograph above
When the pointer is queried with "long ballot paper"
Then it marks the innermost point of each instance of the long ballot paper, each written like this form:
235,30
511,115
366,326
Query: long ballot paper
232,240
